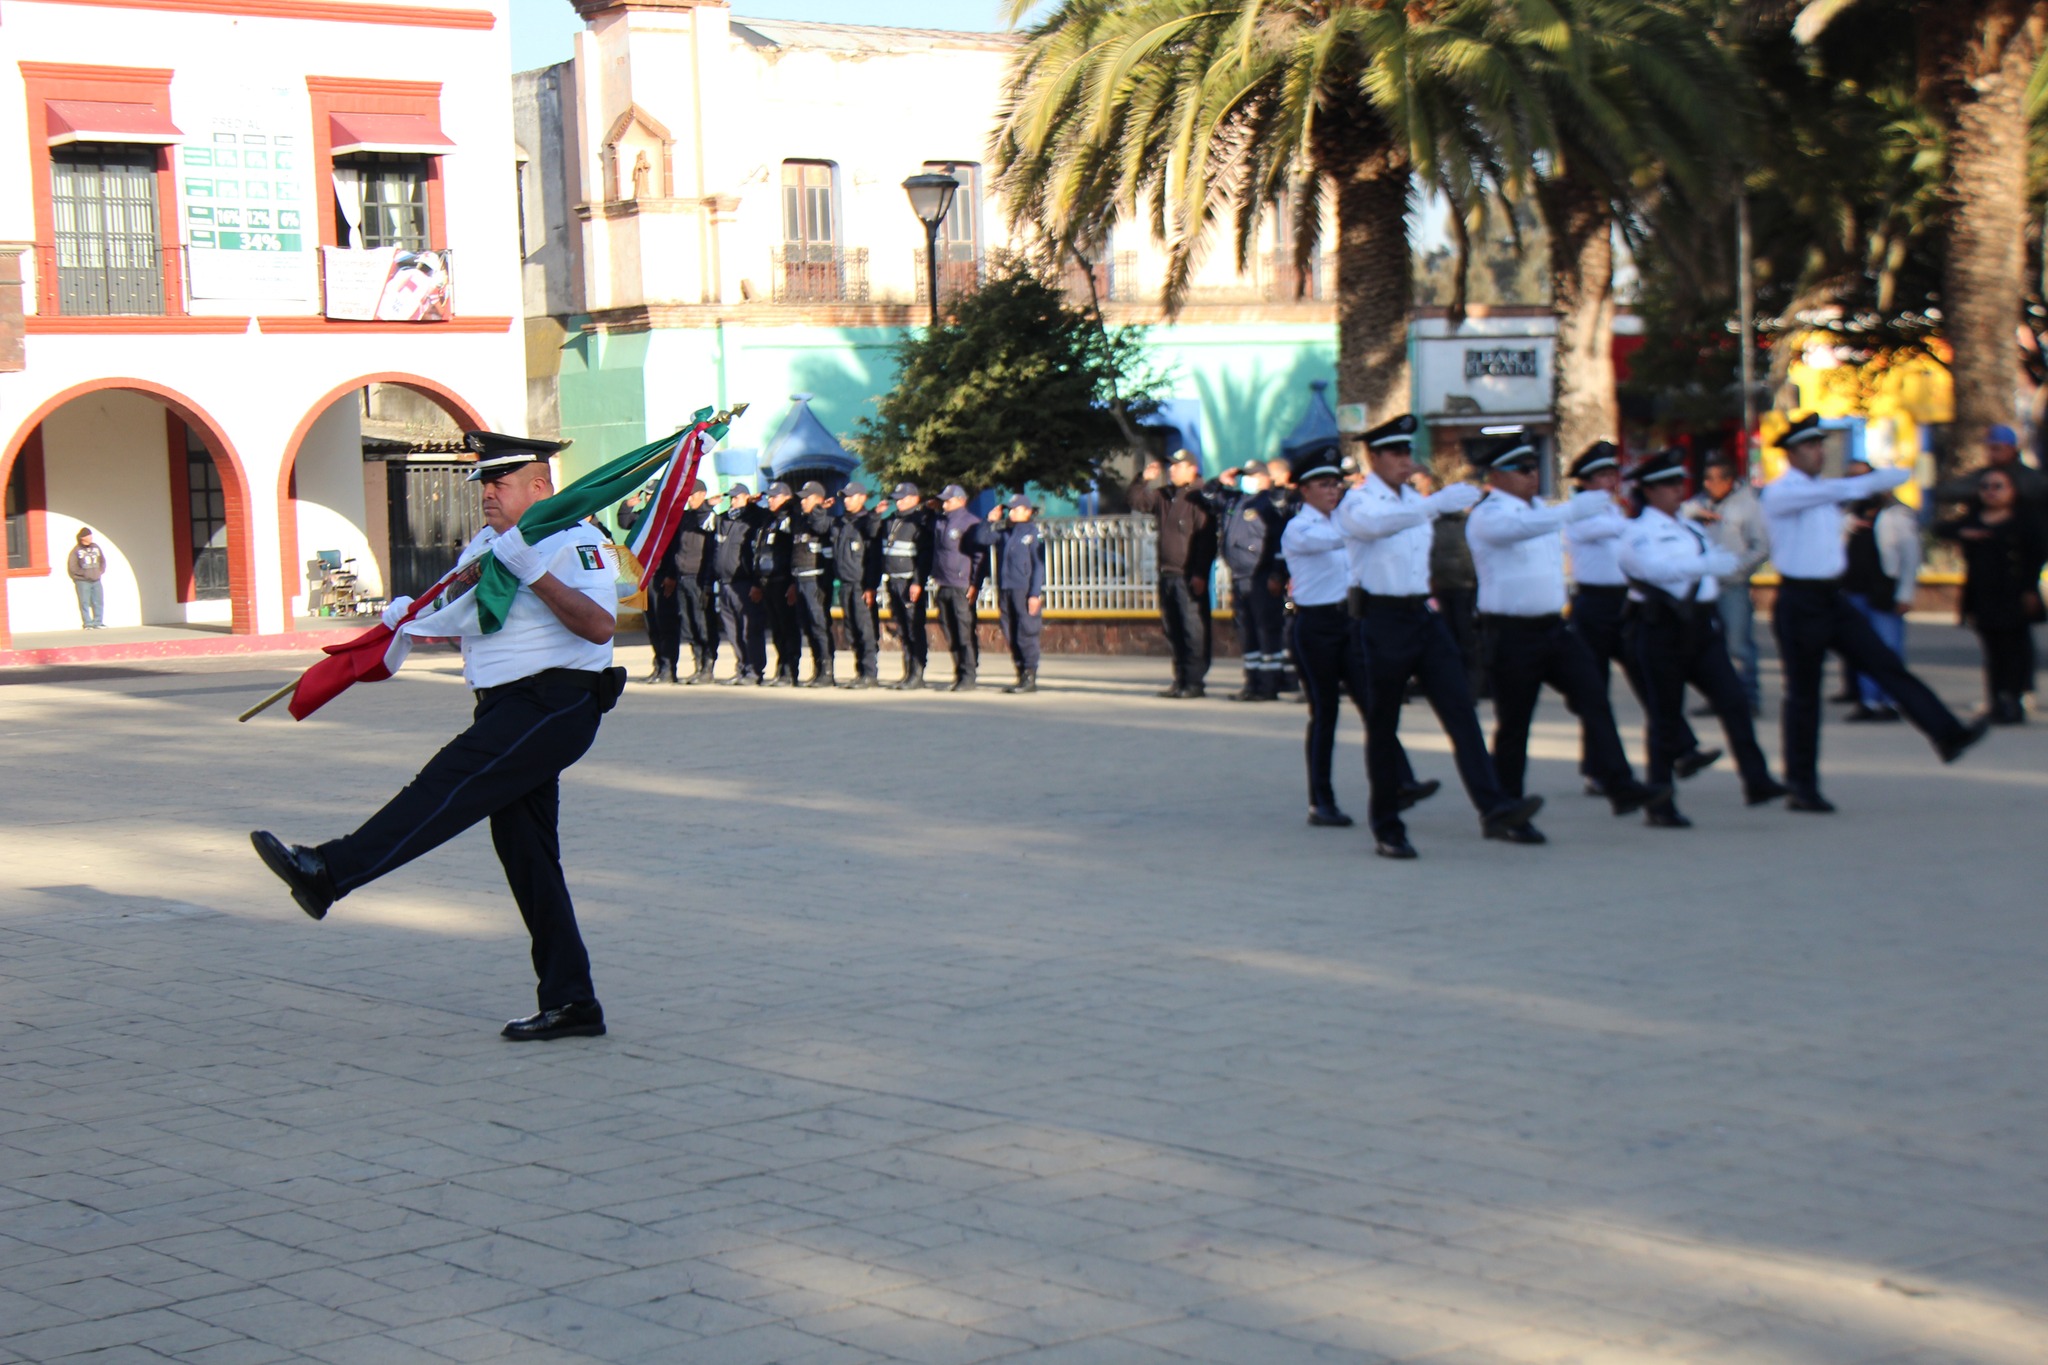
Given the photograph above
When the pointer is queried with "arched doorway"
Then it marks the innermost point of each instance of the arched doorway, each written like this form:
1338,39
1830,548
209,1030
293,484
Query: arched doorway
351,453
161,487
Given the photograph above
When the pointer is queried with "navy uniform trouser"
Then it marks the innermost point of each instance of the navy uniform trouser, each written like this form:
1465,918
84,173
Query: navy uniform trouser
1021,627
1184,614
1404,642
784,630
699,617
1330,661
1669,654
814,618
956,619
505,768
1597,619
740,620
664,621
910,626
1527,654
1810,619
860,629
1261,628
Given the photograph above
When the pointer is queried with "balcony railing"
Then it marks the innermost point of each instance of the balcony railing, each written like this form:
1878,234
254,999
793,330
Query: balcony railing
117,275
960,271
808,273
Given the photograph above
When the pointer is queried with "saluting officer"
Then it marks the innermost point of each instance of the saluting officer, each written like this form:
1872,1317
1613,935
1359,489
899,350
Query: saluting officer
1600,597
1675,635
906,564
775,566
1518,551
1404,639
1286,500
1020,587
740,613
541,683
664,615
1258,583
1803,513
696,587
811,567
858,563
960,542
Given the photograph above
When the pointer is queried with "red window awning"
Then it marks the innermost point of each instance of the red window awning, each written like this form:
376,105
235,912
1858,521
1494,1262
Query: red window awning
419,133
102,121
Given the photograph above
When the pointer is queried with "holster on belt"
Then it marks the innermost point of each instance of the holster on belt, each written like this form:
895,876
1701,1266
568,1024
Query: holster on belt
1355,600
1658,606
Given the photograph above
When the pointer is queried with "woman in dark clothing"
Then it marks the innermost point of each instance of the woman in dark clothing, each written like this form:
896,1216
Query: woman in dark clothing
2002,558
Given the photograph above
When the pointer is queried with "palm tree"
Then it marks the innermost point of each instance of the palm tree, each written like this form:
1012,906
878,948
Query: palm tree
1193,111
1976,59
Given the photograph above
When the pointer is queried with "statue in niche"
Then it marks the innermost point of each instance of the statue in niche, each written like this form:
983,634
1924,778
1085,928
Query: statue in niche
642,173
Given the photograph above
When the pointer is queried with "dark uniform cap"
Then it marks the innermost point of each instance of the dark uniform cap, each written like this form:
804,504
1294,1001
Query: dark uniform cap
1662,467
1018,500
951,491
497,453
1806,429
1398,432
1252,467
1509,448
906,490
813,489
1317,462
739,490
1181,456
854,490
778,489
1596,457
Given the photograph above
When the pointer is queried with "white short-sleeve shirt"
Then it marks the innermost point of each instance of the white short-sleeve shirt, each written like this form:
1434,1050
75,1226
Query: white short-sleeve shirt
533,638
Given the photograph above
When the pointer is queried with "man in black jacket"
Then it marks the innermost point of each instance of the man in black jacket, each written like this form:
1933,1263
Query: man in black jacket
1258,583
1187,551
811,567
696,587
905,550
960,543
739,589
857,560
775,566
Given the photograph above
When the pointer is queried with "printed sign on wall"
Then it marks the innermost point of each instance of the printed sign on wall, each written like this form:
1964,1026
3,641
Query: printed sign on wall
245,195
388,284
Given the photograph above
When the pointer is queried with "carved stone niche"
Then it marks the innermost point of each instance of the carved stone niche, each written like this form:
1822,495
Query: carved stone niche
639,159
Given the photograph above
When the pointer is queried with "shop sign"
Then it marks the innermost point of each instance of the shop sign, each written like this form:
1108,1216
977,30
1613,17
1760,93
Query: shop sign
244,191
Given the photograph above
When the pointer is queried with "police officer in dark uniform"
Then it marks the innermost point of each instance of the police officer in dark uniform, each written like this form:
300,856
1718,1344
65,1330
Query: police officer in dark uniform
906,547
960,542
1020,587
740,613
664,615
1286,500
857,561
696,587
1258,583
1673,630
811,567
775,566
541,683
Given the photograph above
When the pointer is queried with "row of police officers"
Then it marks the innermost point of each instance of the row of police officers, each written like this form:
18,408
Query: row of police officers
1641,595
753,574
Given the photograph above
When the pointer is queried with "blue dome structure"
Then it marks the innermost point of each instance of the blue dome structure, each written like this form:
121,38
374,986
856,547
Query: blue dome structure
1317,429
802,445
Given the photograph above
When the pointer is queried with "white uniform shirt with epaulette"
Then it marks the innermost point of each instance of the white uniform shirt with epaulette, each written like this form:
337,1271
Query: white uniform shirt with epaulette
1391,535
1596,549
533,638
1518,552
1670,554
1318,558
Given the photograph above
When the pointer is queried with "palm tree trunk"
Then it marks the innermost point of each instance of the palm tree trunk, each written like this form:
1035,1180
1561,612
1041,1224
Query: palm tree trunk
1581,226
1977,59
1373,284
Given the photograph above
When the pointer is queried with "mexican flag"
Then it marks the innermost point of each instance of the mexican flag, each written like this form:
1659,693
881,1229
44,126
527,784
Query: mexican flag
447,610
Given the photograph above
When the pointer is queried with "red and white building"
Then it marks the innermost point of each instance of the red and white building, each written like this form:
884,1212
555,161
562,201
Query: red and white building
209,235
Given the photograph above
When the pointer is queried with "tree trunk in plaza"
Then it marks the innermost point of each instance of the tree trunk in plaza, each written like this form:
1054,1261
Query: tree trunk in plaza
1373,281
1976,59
1581,227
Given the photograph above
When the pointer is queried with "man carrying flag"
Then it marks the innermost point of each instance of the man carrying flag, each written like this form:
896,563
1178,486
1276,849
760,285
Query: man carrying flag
542,679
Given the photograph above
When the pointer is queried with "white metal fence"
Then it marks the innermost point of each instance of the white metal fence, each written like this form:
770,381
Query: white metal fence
1098,564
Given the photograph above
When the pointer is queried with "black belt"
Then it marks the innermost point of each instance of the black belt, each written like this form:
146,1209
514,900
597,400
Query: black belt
1499,621
1817,584
1363,603
1322,609
1603,590
589,679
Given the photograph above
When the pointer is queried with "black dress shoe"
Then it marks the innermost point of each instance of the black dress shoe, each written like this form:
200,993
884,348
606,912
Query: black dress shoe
1595,787
1524,833
1664,815
1415,792
1952,749
1329,816
1860,714
1770,791
578,1019
1698,761
1632,797
1194,692
300,868
1176,692
860,682
1512,814
1811,802
1397,847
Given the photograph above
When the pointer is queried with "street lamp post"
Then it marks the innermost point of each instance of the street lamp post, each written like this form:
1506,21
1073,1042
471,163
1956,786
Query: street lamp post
931,198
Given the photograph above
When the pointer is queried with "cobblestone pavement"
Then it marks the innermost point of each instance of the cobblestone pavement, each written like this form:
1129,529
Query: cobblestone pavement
983,1028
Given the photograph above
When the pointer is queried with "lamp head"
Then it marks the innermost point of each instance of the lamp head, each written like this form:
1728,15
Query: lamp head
931,196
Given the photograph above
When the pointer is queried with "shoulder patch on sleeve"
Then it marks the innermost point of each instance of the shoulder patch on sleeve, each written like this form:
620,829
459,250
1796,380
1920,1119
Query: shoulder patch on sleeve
590,557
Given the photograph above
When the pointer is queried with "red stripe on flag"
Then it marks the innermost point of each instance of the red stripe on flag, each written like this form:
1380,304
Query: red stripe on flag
667,511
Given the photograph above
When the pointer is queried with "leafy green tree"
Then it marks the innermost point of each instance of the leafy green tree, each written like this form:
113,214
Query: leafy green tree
1014,388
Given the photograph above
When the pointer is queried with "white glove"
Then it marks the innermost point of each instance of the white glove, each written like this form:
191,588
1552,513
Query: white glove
395,613
521,560
1590,503
1454,497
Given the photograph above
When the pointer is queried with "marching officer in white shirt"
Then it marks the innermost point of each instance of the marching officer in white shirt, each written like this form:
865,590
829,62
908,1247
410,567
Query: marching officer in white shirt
1518,550
1321,634
541,683
1803,514
1600,595
1403,637
1676,637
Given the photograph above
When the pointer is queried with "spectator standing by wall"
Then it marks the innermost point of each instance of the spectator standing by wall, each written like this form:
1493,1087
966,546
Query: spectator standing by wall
1187,551
87,564
2003,551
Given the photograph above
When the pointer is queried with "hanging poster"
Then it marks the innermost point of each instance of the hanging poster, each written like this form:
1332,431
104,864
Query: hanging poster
388,284
244,191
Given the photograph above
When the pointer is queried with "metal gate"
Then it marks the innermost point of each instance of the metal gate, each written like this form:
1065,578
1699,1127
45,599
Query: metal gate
435,511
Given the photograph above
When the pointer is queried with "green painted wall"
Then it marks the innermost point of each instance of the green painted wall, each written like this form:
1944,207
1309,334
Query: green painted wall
603,396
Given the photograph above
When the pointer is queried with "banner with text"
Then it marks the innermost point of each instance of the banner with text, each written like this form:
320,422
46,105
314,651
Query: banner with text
388,284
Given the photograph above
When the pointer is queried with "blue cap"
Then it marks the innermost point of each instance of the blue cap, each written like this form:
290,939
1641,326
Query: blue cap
2001,436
